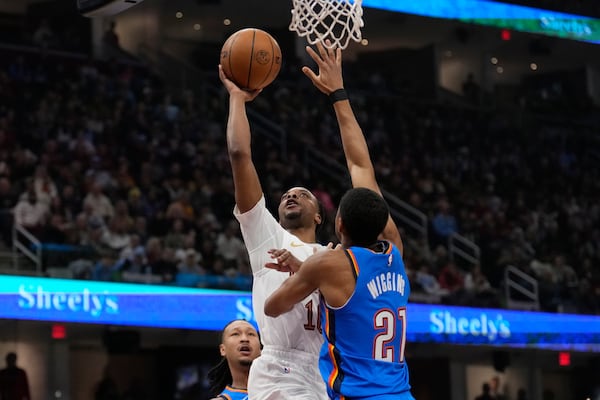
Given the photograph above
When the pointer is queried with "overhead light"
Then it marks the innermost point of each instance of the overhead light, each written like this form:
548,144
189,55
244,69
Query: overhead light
533,66
364,42
178,15
499,70
226,22
197,27
494,60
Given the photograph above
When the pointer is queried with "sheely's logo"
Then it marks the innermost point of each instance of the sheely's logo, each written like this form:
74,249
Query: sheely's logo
244,308
34,297
445,322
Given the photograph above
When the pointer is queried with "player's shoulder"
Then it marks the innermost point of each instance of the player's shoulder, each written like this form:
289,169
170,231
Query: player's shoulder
329,257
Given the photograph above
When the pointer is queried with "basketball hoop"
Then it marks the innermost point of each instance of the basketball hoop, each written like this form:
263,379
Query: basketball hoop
336,20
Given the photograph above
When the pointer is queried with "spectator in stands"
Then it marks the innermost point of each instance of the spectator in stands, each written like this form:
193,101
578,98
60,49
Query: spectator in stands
124,178
190,263
43,185
160,260
229,246
588,293
122,214
180,207
546,277
99,204
105,269
14,384
566,284
429,282
31,213
189,242
140,228
478,291
71,202
134,266
175,238
444,224
114,234
451,279
133,245
93,238
56,230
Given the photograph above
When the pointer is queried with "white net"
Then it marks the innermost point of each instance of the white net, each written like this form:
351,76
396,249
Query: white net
337,20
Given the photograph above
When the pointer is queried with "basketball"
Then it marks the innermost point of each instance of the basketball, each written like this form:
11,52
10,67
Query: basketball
251,58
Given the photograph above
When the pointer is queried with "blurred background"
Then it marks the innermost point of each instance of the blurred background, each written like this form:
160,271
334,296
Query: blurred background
484,126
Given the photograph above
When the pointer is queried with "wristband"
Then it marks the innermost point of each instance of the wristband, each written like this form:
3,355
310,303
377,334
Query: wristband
338,95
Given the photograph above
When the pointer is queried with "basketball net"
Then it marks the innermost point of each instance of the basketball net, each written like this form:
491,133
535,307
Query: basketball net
336,20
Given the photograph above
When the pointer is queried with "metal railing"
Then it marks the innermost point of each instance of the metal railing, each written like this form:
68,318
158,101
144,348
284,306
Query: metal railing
25,247
516,280
461,248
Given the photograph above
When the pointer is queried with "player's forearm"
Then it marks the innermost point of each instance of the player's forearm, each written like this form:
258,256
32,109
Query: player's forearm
355,147
238,129
353,140
275,305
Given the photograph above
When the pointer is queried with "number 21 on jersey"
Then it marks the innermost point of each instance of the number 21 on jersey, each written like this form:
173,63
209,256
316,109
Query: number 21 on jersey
386,321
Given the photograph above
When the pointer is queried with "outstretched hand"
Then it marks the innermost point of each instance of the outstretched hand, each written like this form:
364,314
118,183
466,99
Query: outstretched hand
284,261
233,89
329,62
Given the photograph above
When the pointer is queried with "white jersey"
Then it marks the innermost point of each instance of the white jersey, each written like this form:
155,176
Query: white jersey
300,328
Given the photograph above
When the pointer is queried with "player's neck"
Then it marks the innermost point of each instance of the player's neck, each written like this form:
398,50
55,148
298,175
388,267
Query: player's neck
239,380
304,234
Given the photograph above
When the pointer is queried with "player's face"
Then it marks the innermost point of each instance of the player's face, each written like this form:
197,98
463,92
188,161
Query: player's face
298,208
240,343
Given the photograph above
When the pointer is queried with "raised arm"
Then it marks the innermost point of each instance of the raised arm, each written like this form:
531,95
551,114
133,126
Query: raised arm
248,190
360,166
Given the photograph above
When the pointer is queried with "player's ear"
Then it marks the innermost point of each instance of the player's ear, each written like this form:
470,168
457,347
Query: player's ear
339,224
318,219
320,213
222,349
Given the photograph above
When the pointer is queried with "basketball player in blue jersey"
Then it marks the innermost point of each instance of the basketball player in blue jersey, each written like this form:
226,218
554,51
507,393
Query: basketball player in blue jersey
363,283
240,346
292,343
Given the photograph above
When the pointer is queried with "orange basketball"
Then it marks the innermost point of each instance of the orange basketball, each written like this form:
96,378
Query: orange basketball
251,58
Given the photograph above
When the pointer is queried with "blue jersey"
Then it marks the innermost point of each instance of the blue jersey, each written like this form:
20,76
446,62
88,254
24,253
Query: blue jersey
230,393
363,353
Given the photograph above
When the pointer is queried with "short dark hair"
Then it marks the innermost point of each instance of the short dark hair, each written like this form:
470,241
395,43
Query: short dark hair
364,214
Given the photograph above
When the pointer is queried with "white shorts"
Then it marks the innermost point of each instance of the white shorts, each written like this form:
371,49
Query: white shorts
284,374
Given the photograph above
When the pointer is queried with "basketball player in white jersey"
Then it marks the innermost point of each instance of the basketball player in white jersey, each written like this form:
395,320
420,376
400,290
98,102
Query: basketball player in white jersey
289,365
